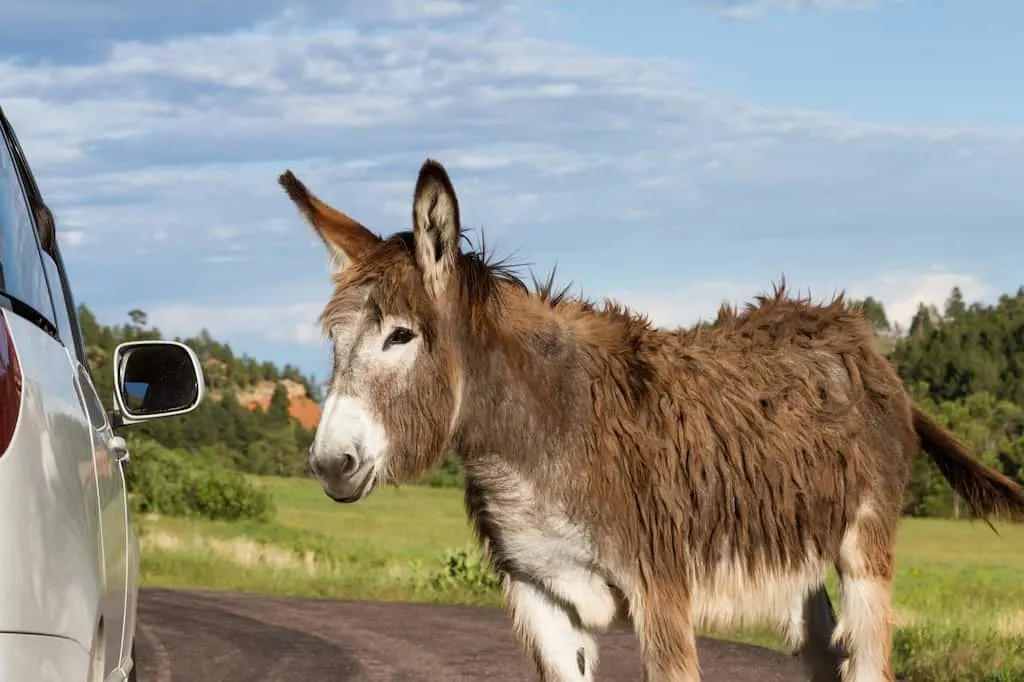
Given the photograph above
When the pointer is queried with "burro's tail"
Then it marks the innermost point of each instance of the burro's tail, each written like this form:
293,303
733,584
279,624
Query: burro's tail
986,491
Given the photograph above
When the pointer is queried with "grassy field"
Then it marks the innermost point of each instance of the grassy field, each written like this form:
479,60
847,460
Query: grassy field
959,591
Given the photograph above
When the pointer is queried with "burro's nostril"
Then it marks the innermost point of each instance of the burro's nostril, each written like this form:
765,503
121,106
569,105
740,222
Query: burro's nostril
349,464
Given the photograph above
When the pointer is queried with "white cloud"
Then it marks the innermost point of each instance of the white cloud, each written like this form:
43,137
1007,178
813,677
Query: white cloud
746,9
294,323
683,306
274,88
72,237
165,150
902,291
64,29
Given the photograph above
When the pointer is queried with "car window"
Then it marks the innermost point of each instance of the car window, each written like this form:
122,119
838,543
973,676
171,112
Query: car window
22,274
61,297
60,303
93,405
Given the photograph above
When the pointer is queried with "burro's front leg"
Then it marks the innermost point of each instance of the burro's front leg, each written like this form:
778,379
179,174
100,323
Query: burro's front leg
549,631
668,644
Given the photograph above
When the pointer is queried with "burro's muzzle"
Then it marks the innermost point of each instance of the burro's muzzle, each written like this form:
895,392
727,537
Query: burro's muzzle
348,449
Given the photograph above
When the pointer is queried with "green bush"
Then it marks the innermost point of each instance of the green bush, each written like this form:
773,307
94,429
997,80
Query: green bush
176,484
277,453
218,454
465,568
448,475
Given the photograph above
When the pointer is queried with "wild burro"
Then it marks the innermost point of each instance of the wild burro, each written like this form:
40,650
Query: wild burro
701,477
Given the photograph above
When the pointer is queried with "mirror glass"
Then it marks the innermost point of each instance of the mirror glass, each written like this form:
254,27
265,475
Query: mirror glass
157,378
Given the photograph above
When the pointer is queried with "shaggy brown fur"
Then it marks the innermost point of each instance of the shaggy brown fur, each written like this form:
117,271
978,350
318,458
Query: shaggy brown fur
708,476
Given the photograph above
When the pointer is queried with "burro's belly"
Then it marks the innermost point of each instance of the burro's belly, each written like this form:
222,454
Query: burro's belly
734,594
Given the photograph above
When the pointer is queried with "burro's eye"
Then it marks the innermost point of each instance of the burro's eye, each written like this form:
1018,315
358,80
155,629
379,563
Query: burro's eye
399,336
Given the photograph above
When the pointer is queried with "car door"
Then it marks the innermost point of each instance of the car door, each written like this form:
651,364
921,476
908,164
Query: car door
110,491
110,483
114,522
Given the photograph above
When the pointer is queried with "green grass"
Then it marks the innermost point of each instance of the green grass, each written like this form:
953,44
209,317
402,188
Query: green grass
959,590
409,522
388,547
959,600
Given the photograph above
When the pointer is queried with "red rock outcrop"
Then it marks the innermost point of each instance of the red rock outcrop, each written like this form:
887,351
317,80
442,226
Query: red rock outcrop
300,405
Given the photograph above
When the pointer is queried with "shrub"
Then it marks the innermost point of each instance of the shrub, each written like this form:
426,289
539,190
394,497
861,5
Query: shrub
277,453
176,484
465,568
448,475
218,454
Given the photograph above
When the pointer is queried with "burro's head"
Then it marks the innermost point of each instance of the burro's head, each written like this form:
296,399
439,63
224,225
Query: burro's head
393,399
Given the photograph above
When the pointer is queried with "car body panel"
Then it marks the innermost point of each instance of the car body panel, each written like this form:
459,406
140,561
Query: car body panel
114,522
49,509
134,580
64,496
42,658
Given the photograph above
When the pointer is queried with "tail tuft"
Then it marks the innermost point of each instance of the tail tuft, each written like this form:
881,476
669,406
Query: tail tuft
987,492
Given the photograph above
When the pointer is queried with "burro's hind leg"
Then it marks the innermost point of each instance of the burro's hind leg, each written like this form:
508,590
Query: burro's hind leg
866,567
810,632
668,645
550,632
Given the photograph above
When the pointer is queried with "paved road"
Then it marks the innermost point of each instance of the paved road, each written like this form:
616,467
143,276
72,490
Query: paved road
217,637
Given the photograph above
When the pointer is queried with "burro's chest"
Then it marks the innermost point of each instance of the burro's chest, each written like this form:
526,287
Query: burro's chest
528,529
532,537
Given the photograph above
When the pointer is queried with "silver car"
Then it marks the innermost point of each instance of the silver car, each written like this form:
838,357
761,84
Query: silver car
69,556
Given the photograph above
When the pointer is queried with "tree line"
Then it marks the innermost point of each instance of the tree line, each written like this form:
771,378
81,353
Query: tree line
963,363
220,430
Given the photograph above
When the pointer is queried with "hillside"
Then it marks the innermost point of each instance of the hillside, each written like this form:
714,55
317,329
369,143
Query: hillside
258,395
301,406
259,418
964,364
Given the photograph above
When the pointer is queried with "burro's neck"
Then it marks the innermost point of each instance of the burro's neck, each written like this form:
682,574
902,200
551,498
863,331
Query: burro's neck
526,394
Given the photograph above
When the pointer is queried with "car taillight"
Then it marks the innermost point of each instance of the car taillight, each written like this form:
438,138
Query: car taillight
10,385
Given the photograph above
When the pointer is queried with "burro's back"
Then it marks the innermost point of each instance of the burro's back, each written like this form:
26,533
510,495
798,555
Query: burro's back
786,426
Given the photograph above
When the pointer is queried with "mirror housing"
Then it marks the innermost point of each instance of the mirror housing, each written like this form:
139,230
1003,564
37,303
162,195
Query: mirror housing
155,379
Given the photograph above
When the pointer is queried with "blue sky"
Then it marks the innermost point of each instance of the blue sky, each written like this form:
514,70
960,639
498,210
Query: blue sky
671,154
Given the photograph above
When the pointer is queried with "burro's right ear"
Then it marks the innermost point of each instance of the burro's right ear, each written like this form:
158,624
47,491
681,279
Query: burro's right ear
436,228
346,239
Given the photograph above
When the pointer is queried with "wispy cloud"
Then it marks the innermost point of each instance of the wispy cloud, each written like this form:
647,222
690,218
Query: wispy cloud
745,9
900,292
70,30
163,145
283,323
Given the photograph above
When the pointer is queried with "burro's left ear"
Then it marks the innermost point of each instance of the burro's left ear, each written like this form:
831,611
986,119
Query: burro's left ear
436,230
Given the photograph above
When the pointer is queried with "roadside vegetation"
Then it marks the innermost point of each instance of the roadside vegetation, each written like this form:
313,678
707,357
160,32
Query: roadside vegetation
222,500
959,590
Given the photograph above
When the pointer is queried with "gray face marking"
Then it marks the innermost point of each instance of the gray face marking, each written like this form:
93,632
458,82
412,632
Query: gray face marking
372,355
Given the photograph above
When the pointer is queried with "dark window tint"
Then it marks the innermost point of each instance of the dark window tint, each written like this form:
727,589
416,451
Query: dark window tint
60,304
22,277
93,404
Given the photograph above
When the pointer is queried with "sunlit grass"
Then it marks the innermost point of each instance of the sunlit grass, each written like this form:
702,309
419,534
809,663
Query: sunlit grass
959,592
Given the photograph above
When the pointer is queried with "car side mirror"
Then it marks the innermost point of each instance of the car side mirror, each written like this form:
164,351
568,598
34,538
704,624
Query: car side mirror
155,379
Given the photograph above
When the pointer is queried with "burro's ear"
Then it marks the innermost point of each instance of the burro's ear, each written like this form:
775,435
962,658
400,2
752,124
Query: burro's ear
435,218
346,239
